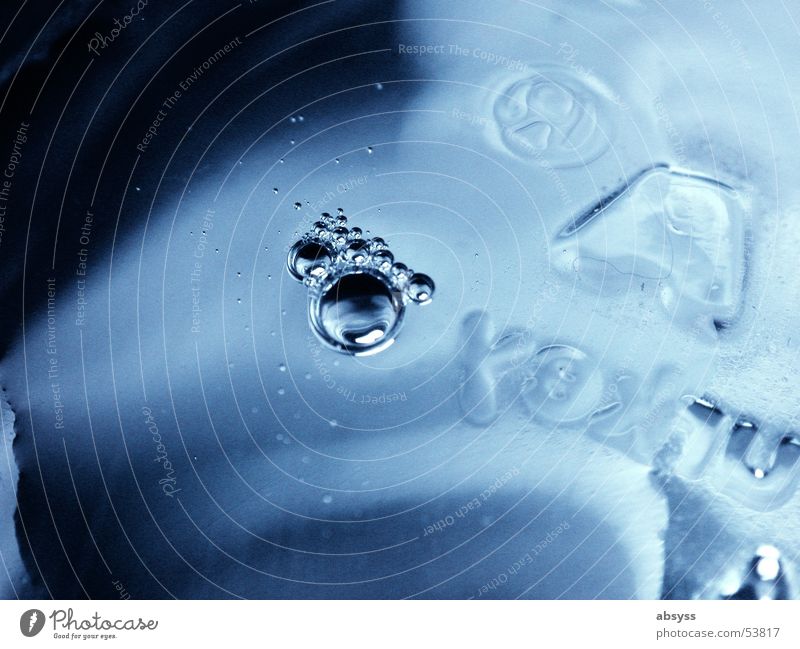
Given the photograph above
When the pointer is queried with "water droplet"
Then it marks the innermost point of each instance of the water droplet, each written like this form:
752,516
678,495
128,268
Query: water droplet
327,499
274,190
378,86
282,367
297,206
369,150
281,391
308,375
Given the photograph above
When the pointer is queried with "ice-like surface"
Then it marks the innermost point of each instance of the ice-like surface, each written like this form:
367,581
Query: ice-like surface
12,571
540,414
554,116
682,231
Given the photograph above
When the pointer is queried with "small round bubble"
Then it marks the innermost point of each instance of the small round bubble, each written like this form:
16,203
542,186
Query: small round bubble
377,243
400,271
307,256
356,252
420,288
383,260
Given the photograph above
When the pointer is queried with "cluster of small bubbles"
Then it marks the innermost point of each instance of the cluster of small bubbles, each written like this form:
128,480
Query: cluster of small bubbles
358,291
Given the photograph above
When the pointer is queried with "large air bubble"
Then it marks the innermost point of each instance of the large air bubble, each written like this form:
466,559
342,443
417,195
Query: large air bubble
357,313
